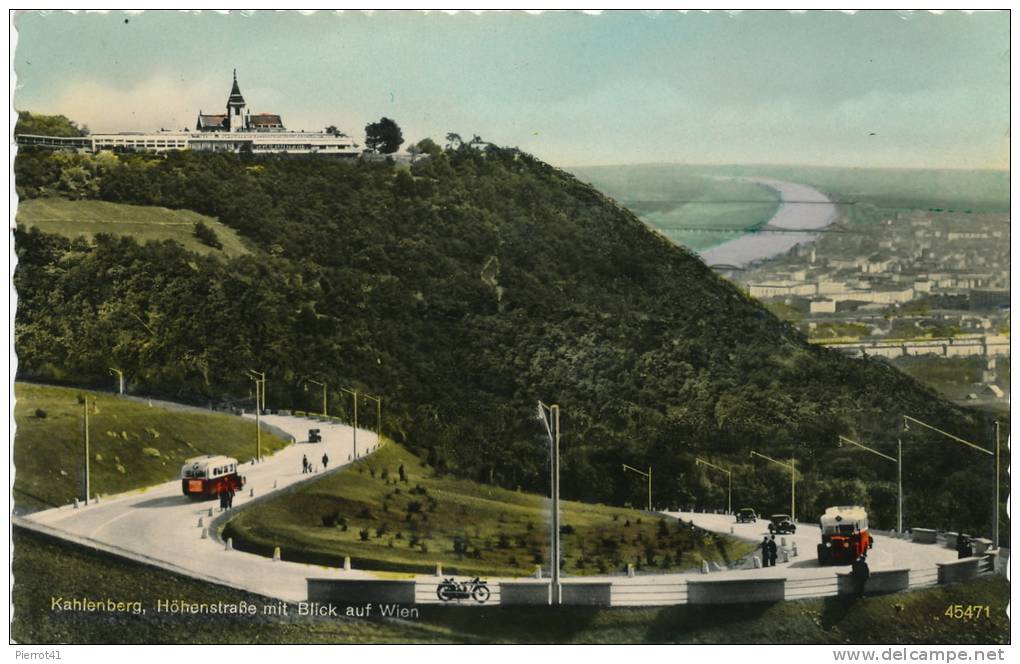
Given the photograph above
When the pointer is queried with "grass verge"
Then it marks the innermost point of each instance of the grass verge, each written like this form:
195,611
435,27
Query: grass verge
392,512
131,445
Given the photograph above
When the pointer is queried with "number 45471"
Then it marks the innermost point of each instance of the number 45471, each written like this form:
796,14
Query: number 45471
968,611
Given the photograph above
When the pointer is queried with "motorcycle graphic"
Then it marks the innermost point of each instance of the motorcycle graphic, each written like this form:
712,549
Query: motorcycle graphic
450,589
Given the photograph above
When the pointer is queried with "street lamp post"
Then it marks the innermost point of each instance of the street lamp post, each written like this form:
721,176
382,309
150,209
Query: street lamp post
120,376
550,416
729,483
323,386
260,386
85,412
378,416
647,475
792,467
354,393
899,473
994,453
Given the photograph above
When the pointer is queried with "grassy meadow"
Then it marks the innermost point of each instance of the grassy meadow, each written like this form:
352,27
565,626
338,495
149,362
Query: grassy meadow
142,222
131,444
45,568
368,512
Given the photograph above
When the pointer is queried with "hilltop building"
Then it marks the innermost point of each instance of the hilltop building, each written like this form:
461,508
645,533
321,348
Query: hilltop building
236,130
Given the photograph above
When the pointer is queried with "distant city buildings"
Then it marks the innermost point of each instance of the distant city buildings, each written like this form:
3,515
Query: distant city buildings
236,130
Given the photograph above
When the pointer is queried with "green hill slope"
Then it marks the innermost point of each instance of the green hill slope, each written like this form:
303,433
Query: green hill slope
132,445
143,223
369,513
462,291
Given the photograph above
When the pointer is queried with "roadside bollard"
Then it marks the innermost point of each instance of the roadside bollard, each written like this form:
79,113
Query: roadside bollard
630,570
229,545
205,534
274,484
794,551
782,541
538,571
757,562
251,493
731,530
704,567
201,522
785,558
347,563
210,512
75,503
276,554
439,569
97,499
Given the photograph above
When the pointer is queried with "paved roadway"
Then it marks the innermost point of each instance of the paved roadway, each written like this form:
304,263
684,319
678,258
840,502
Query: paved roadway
887,553
160,524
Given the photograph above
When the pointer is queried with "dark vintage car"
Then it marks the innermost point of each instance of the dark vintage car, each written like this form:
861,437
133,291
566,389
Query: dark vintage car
781,524
746,515
314,436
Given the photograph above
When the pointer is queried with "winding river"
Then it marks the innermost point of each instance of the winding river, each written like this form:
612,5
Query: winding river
803,209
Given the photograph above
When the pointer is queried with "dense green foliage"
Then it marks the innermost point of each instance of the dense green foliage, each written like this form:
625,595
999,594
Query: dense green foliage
391,511
383,136
463,291
132,444
47,125
45,568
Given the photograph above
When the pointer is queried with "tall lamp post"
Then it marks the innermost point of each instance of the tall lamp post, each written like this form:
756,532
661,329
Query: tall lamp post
792,467
550,416
899,473
85,411
993,453
260,386
378,416
729,483
323,386
647,475
354,393
120,376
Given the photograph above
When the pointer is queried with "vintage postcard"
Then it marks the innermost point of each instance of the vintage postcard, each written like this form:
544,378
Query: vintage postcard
512,327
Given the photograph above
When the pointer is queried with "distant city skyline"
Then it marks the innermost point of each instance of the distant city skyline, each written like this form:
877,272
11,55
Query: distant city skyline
874,89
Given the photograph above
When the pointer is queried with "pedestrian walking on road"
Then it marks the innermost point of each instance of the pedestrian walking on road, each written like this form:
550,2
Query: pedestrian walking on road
304,464
223,500
859,572
773,550
765,551
230,498
325,460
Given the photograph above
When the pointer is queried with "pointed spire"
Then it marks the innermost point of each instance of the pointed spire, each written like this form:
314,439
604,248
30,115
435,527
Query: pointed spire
235,99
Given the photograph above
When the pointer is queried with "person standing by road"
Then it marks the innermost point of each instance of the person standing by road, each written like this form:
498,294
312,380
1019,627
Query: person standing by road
230,498
773,550
325,460
765,551
304,464
859,572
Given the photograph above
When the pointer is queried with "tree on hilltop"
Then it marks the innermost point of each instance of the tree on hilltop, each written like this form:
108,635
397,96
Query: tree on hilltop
383,136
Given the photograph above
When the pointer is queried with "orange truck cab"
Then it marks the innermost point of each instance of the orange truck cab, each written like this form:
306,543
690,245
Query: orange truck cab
845,535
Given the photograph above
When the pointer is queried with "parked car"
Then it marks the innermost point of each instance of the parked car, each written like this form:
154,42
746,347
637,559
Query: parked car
746,515
781,524
314,436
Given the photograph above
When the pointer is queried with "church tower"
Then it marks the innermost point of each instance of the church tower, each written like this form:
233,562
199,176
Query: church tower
235,108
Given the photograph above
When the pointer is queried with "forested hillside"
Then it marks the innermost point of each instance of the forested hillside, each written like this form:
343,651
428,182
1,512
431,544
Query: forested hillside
461,291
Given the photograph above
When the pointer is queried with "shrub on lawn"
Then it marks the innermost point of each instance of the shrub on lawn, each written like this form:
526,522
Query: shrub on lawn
364,534
40,414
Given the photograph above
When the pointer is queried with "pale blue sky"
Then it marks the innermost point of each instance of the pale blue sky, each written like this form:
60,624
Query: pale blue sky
574,89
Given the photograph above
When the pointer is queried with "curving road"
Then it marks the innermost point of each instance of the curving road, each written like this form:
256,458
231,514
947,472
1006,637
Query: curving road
159,525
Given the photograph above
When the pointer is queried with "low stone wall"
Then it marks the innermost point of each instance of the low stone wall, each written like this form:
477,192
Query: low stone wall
924,535
518,593
736,591
981,545
881,581
963,569
586,594
952,539
343,591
